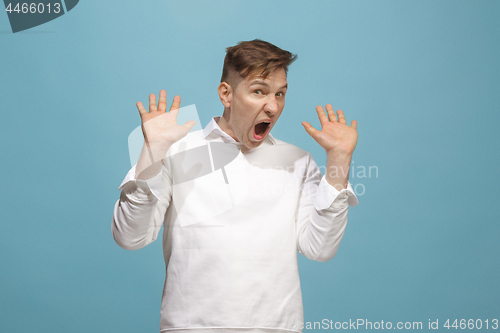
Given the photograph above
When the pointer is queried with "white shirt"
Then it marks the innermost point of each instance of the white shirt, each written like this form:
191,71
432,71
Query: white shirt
233,223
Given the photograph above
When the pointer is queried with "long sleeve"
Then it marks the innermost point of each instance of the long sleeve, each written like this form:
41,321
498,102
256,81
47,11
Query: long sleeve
139,213
322,215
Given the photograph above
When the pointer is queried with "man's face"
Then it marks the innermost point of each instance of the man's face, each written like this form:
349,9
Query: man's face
255,106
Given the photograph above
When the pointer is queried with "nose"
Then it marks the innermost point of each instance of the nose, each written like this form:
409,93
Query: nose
271,107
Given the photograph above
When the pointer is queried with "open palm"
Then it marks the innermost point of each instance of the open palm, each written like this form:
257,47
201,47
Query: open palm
335,135
159,127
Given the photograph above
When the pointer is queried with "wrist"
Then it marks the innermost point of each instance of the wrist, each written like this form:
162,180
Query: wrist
157,147
339,157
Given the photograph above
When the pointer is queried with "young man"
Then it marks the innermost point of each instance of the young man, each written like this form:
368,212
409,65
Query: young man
236,203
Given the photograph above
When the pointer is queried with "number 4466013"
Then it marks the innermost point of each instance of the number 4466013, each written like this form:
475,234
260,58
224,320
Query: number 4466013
471,324
34,8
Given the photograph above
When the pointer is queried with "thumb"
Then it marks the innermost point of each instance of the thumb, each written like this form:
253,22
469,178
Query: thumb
189,125
309,129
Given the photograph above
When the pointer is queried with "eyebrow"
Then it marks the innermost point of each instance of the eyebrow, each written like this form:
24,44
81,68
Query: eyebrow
264,83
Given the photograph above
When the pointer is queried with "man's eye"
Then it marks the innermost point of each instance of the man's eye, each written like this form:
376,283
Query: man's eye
280,94
258,91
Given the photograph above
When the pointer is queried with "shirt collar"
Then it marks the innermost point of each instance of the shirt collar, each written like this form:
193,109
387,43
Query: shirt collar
213,131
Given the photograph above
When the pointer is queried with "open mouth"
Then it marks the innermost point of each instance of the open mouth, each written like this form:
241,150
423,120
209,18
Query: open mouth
261,129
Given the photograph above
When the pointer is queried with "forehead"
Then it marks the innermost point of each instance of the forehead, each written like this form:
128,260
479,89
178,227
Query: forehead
276,78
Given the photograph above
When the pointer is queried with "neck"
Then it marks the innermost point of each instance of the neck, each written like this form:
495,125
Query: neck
224,125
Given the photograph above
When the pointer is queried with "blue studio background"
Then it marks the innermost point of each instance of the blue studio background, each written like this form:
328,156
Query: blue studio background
422,78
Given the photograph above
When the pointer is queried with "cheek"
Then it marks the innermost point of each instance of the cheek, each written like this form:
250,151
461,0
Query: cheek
243,127
279,114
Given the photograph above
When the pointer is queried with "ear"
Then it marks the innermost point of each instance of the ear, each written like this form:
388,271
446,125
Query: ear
225,94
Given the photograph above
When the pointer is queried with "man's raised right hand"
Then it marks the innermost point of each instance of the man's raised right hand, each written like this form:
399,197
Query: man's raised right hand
160,130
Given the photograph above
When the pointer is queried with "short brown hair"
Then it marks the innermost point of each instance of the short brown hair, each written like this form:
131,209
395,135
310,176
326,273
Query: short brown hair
246,57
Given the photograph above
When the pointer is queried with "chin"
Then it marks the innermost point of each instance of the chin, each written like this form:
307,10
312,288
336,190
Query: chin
253,144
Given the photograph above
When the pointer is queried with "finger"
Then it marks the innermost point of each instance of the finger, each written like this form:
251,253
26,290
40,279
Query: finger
142,110
152,103
162,104
176,103
340,114
309,129
331,113
323,119
189,125
354,124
